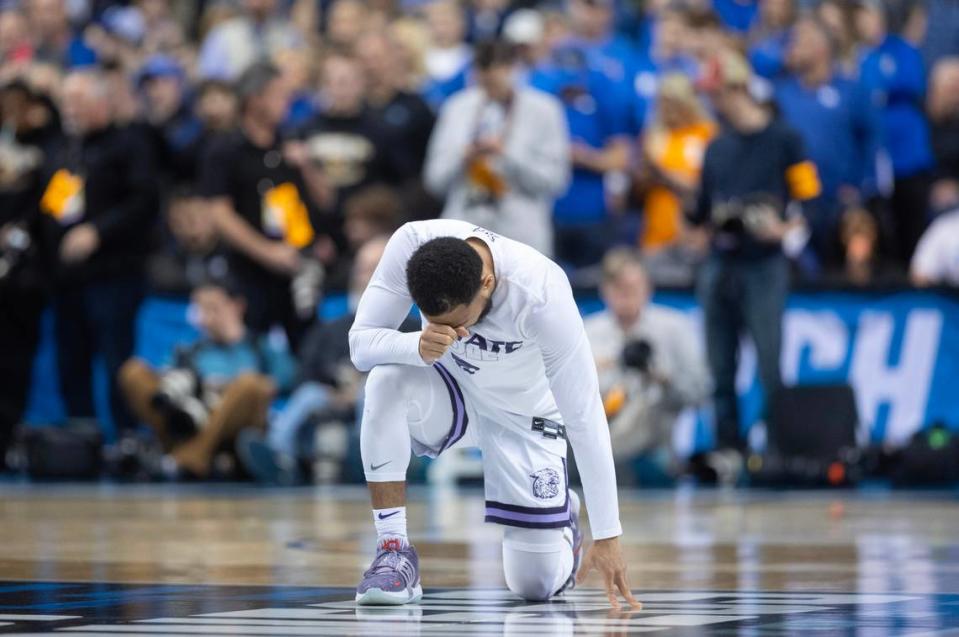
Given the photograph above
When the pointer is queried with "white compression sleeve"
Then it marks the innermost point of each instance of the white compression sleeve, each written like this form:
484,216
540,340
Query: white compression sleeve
401,404
374,338
384,429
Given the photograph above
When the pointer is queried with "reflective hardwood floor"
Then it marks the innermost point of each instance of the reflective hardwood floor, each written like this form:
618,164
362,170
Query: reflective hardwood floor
238,560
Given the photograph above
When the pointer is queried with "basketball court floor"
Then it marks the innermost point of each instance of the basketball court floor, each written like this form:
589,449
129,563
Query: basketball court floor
228,560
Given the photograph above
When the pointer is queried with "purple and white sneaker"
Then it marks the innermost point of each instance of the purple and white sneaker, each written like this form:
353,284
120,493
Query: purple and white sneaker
577,543
394,576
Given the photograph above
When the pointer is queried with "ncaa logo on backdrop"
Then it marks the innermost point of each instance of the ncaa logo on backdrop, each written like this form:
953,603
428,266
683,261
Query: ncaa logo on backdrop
545,483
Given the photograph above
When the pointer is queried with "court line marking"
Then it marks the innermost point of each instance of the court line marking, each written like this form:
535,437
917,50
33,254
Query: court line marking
274,613
14,617
330,628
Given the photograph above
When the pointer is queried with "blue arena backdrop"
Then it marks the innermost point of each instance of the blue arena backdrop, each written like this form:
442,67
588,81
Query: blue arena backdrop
899,350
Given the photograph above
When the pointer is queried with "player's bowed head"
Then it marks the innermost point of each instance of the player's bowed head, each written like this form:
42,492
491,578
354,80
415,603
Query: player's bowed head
451,281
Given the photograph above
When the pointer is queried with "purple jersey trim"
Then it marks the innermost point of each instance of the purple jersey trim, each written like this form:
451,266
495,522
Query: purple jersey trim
460,419
527,517
531,517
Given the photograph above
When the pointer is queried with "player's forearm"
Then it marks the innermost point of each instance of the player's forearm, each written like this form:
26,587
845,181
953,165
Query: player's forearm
576,390
374,346
594,458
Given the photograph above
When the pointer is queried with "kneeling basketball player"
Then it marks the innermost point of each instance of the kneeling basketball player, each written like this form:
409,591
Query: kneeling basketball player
502,363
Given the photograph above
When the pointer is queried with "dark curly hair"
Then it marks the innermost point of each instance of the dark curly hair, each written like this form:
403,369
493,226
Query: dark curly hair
442,274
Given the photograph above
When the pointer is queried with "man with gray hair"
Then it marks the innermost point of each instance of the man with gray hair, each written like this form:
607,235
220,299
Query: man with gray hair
98,204
649,362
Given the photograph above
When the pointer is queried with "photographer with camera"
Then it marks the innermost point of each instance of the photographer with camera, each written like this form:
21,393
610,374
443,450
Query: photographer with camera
650,368
753,172
215,387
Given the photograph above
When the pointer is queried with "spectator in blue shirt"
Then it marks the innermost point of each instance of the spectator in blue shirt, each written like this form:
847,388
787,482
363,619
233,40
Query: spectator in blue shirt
599,132
892,71
591,22
838,124
769,37
737,15
217,386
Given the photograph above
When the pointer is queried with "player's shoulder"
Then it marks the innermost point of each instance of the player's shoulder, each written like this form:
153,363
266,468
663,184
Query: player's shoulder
534,273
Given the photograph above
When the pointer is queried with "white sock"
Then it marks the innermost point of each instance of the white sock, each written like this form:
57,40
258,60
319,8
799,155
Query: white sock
390,524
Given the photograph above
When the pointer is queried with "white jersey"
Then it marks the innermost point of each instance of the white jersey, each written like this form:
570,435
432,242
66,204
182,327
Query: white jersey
529,355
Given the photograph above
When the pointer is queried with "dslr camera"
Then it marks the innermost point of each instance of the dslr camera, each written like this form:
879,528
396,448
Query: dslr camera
747,216
638,355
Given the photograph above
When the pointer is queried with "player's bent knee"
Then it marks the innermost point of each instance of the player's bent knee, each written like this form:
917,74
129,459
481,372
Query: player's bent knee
390,379
532,560
530,585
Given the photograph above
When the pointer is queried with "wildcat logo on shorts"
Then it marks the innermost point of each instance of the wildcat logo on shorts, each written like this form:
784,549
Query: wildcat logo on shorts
546,483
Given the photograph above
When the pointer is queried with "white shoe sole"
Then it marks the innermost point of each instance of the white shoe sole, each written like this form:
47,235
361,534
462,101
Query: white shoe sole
378,597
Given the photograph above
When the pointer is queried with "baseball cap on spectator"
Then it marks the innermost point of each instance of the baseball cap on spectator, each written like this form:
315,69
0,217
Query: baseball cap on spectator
126,23
524,26
159,66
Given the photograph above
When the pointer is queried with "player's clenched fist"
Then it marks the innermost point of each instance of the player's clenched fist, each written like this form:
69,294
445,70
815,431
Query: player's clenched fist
436,339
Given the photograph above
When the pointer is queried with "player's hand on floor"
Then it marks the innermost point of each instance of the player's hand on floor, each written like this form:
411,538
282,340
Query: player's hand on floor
436,339
606,556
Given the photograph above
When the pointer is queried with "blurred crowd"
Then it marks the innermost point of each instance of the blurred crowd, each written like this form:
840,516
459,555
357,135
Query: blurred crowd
254,153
